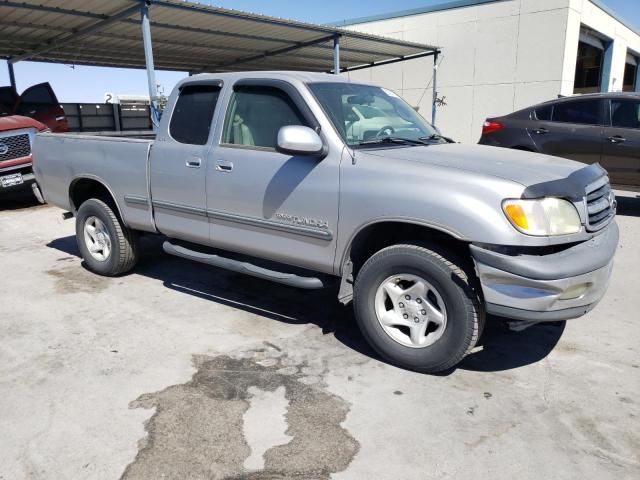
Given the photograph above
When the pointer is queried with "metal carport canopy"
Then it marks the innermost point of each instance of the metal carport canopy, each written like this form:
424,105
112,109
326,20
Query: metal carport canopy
184,36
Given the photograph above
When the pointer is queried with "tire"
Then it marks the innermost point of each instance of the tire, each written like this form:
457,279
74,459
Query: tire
450,290
123,242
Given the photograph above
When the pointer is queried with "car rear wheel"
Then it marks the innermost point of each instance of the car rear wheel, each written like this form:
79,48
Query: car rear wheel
106,245
417,308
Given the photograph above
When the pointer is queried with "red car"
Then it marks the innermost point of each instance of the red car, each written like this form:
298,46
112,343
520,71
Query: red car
39,102
21,117
16,138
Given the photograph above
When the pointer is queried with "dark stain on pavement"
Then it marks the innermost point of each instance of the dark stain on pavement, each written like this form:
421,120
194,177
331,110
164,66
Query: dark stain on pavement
197,428
72,279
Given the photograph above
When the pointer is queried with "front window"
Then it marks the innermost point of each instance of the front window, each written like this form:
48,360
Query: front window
256,114
365,114
625,114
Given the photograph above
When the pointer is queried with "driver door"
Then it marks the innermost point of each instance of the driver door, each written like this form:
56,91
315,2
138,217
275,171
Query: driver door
265,203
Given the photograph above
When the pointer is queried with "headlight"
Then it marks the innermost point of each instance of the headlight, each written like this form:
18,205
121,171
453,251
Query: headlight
543,217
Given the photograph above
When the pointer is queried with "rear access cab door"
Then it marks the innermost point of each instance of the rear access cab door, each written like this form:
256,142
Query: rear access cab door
178,162
571,128
621,142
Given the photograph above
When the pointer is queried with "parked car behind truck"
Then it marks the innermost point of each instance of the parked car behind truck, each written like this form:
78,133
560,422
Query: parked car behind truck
425,236
603,128
21,117
16,137
38,102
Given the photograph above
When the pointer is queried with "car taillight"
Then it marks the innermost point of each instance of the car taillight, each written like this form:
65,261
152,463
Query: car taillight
491,127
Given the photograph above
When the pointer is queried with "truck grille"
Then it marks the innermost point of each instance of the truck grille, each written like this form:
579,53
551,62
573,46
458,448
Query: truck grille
600,204
14,146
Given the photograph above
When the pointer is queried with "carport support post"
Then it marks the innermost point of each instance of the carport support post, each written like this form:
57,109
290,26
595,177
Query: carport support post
435,88
12,75
148,56
336,55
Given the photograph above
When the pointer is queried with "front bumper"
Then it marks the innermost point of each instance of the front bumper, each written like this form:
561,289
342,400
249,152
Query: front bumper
553,287
18,166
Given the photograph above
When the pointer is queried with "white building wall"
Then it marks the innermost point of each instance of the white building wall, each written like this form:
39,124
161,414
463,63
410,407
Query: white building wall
624,40
497,57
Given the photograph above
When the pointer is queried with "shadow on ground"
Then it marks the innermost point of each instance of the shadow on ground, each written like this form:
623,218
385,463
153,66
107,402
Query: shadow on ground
18,200
628,205
500,348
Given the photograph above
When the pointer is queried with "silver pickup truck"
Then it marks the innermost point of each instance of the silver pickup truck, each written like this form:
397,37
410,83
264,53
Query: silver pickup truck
305,177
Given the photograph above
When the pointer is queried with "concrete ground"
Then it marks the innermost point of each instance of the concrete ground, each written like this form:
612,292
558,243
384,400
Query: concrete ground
181,371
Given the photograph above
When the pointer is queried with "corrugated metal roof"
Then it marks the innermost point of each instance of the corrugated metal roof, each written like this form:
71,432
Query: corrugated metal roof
186,36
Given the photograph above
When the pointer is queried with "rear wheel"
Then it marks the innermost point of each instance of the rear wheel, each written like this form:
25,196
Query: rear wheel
106,245
417,308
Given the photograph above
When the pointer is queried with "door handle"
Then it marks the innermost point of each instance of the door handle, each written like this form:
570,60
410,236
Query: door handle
541,131
194,162
617,139
224,166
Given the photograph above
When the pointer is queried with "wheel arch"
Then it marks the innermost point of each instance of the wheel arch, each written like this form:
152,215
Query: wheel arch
386,231
84,187
376,235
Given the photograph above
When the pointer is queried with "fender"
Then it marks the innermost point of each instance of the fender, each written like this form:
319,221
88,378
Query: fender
408,220
95,178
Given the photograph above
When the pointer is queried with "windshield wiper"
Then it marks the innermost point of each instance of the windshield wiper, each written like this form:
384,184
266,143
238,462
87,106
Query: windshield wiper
437,136
396,140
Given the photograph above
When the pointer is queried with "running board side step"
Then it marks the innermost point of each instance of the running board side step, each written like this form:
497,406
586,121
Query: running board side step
309,283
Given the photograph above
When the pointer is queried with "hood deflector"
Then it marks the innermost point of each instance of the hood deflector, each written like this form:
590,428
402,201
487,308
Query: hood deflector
572,187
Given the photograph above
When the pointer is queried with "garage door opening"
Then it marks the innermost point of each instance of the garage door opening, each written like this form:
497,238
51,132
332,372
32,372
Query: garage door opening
589,64
630,83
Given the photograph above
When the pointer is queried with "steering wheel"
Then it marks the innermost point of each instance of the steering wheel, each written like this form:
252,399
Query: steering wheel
386,131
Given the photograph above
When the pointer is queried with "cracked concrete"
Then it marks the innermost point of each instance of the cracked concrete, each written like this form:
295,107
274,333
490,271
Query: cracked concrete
181,371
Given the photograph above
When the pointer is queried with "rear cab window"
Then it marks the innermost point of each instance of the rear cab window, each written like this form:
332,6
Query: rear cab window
192,116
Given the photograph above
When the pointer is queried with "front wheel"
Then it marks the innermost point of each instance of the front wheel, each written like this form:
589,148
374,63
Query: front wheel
107,246
417,308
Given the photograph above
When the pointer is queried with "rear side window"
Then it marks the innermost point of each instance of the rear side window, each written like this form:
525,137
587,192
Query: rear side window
544,113
625,113
193,114
586,112
256,115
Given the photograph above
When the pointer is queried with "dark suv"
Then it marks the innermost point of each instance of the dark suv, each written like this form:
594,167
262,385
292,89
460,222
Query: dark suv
602,128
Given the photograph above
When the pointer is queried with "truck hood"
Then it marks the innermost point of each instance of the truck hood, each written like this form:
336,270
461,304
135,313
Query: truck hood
525,168
17,122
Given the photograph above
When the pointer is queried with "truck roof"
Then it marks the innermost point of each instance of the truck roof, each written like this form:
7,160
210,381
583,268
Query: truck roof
276,74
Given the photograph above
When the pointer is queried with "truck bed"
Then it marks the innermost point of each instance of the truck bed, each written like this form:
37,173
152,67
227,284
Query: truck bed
119,162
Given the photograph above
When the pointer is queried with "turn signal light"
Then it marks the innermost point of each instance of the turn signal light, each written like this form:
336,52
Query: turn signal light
491,127
517,216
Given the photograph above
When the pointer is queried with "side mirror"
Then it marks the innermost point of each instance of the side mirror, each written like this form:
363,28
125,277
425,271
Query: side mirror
299,140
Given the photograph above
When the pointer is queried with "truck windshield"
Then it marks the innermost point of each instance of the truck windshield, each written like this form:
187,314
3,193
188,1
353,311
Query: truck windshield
369,115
